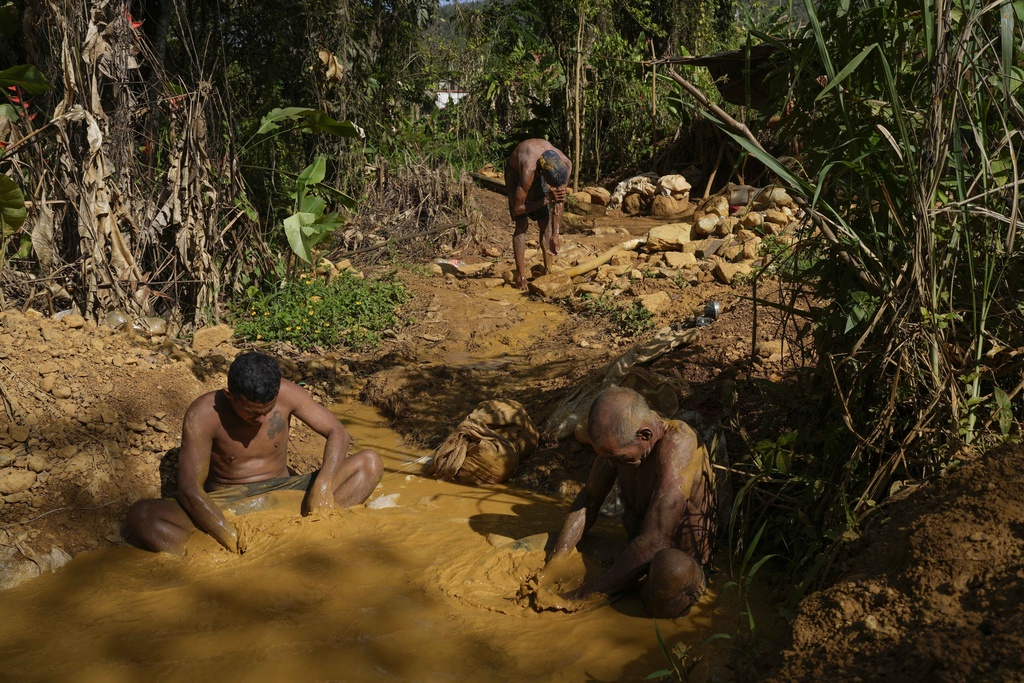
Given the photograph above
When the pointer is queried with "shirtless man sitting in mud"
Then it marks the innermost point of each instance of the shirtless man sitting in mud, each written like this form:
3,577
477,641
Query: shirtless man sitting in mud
536,176
667,490
234,449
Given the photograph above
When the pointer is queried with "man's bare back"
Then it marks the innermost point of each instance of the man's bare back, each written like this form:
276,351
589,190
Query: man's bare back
233,441
536,176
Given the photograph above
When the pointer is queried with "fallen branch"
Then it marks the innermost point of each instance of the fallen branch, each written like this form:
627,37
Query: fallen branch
605,257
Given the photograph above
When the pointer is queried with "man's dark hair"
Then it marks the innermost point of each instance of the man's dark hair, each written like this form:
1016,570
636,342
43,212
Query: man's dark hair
255,376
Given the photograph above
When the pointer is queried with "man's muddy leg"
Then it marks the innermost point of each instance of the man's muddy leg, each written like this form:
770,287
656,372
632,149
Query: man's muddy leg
160,525
674,583
519,250
545,242
357,477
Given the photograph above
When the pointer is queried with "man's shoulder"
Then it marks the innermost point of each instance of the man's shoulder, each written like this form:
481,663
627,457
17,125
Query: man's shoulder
679,441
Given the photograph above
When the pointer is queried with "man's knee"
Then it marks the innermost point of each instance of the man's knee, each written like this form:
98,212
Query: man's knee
370,464
674,583
139,517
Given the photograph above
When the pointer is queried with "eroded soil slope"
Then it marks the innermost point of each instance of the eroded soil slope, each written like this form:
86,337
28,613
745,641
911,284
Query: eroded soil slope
935,592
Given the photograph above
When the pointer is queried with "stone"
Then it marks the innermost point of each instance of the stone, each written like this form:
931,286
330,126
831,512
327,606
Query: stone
137,427
598,195
656,302
706,225
73,321
581,196
752,219
678,259
716,205
635,274
602,230
725,226
730,251
772,196
47,367
772,347
751,248
7,458
673,184
62,391
37,463
18,433
117,360
14,480
209,337
662,206
669,237
590,288
633,204
727,272
743,234
777,217
586,209
708,247
46,384
552,286
623,258
155,326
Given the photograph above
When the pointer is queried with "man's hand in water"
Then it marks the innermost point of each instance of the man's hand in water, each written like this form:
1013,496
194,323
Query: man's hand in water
319,502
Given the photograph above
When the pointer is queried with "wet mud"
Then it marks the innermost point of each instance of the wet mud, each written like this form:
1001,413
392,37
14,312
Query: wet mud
430,588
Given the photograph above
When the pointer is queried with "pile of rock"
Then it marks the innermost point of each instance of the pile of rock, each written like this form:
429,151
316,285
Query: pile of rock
666,195
719,241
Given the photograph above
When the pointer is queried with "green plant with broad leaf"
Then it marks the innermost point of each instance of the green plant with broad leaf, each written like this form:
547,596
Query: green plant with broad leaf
310,221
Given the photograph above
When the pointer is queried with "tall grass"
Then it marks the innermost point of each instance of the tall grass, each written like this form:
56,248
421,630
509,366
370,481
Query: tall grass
909,121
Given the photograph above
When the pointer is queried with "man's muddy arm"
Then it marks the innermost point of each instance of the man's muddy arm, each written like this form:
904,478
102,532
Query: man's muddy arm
193,468
324,423
660,524
584,510
519,205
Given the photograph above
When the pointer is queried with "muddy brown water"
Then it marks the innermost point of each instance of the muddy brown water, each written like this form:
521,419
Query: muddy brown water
405,593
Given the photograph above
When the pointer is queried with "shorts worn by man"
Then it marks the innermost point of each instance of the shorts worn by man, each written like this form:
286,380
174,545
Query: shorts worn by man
234,447
667,490
536,176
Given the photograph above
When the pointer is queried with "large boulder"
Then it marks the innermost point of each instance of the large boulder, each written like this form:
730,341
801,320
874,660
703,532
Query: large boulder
634,204
552,286
598,195
706,225
669,237
716,205
657,302
772,197
673,186
663,206
210,337
727,272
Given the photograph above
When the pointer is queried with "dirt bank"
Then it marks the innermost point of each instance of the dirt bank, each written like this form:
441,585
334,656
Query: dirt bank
933,591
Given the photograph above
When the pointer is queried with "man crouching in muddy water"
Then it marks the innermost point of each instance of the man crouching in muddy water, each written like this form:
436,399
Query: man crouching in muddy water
234,449
536,176
668,494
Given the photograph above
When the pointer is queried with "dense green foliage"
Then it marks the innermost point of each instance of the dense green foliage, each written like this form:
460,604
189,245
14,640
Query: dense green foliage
314,311
629,319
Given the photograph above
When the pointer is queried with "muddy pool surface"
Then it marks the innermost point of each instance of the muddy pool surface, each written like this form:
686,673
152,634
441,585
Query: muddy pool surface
423,591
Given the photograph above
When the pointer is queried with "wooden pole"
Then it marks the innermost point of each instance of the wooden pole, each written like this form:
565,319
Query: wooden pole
579,78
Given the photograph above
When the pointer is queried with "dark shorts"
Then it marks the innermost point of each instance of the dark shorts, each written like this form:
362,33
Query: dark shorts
230,494
538,190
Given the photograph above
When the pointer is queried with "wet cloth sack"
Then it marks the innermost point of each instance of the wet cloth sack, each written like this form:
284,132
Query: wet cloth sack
486,447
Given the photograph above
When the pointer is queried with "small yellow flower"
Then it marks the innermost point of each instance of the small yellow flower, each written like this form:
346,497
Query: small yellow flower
298,327
327,324
259,336
359,303
266,314
287,329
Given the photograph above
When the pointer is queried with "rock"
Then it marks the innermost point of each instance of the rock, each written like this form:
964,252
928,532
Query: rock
580,196
656,302
552,286
73,321
633,204
436,269
772,196
727,272
62,392
777,217
47,367
706,225
598,195
209,337
751,248
669,237
46,384
7,458
752,219
772,347
635,274
730,251
678,259
137,427
623,258
602,230
590,288
154,326
585,209
739,195
673,185
18,433
37,463
117,360
607,272
708,247
667,206
716,205
15,480
726,226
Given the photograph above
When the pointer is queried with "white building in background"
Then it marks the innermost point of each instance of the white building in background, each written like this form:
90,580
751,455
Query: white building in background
448,93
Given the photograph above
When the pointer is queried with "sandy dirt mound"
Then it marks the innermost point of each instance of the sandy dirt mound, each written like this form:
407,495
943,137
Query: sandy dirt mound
935,592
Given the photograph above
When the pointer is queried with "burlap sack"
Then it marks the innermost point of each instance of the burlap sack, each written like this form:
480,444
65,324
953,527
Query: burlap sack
486,447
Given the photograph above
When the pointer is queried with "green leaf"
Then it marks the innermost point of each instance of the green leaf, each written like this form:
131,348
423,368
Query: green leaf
847,70
269,122
1004,411
242,202
8,112
314,205
26,77
293,231
311,119
12,206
